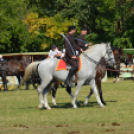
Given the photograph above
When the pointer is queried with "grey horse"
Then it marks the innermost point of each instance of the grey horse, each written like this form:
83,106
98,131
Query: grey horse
48,74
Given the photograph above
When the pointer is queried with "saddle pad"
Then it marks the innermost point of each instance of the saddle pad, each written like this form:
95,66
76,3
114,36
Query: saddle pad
61,65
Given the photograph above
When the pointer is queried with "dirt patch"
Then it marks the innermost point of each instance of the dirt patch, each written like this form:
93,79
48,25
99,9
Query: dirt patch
59,125
20,126
74,132
102,124
110,130
115,124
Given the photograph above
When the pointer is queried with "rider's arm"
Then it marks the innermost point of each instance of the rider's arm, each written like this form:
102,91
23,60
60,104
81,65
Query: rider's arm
50,55
68,49
82,44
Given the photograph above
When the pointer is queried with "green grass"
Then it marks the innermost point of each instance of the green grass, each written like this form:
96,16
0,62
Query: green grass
19,112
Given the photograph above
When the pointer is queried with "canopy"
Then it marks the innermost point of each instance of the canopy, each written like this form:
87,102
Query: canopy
24,54
128,51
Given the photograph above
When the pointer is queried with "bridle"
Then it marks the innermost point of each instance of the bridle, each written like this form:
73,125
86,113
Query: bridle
96,62
107,52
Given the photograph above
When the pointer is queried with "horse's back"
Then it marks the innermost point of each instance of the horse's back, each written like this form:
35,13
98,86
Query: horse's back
47,65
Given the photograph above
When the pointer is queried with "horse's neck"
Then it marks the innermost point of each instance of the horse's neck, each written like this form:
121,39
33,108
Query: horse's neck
96,52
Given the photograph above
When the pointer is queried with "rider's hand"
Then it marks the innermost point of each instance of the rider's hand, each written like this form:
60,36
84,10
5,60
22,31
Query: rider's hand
81,50
55,55
74,57
89,44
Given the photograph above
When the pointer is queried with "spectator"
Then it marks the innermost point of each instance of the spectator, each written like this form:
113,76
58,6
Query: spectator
55,53
1,58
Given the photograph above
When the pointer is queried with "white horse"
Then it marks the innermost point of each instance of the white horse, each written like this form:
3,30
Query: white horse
48,74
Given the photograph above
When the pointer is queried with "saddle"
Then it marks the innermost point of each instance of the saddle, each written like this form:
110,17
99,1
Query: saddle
64,65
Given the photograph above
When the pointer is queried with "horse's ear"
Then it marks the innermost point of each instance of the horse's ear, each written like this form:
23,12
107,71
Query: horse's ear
108,43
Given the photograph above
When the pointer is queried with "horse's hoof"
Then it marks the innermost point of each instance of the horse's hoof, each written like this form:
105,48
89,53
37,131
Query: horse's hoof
55,105
75,107
104,103
48,108
40,106
77,102
102,106
85,103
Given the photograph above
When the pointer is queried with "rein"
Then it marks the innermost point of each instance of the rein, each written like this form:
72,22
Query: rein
92,60
119,70
81,40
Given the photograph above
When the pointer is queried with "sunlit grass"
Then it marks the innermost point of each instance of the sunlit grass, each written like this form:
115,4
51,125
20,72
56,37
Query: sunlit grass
19,113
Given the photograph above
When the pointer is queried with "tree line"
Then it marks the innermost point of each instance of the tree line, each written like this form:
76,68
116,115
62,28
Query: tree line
34,25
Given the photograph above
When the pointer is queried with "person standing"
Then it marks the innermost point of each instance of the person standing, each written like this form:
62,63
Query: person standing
1,58
70,54
81,41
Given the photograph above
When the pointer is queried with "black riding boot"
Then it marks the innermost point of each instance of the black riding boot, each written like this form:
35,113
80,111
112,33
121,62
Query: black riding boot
72,71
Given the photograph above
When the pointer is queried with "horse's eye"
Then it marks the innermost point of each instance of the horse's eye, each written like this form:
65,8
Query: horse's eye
110,52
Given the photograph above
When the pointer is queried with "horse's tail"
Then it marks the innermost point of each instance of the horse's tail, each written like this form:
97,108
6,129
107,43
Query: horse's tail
31,68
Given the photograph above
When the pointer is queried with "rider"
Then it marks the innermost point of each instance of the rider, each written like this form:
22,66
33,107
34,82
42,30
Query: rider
69,55
54,52
81,41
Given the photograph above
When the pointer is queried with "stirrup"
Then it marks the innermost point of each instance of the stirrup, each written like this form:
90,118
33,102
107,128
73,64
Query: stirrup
68,83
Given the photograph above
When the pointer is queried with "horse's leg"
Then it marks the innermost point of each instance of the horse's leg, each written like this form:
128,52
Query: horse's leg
45,93
27,84
18,77
118,74
54,90
43,89
4,83
87,98
100,90
40,93
68,89
78,88
93,86
114,80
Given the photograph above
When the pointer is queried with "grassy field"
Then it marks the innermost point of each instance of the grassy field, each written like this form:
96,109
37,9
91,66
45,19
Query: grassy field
19,112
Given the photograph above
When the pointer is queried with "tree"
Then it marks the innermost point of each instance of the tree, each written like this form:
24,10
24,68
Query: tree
14,35
34,25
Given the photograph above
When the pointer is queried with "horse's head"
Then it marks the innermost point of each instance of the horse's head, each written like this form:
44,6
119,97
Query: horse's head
117,54
108,55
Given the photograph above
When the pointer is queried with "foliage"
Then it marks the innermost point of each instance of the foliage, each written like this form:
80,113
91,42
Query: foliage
34,25
51,27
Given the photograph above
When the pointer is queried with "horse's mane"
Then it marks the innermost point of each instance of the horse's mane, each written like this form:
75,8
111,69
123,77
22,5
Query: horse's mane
91,47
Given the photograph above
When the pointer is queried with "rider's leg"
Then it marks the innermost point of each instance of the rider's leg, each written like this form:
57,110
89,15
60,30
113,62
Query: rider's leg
75,65
72,72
